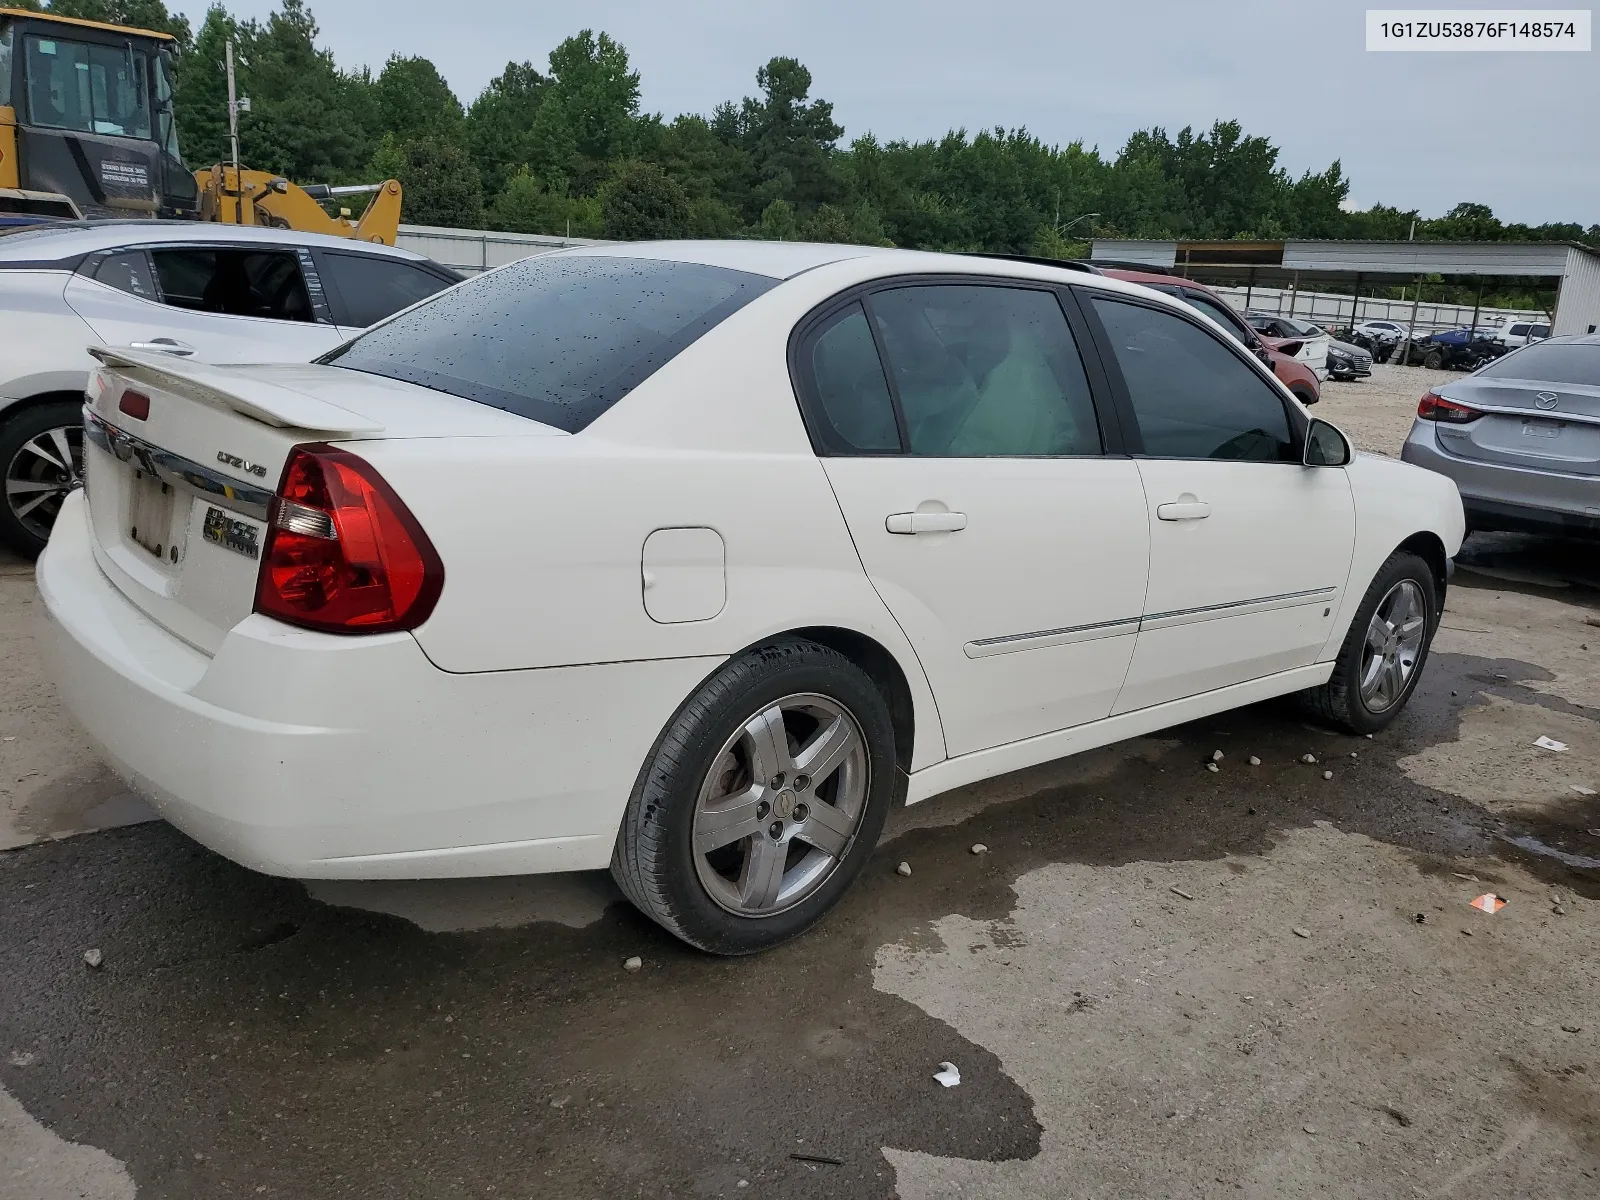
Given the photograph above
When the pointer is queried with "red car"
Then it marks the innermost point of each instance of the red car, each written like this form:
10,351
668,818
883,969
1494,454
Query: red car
1296,376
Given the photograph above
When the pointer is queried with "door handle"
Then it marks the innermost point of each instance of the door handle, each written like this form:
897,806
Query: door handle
921,522
1187,509
164,345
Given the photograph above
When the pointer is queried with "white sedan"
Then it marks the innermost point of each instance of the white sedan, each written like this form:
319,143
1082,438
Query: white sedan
694,558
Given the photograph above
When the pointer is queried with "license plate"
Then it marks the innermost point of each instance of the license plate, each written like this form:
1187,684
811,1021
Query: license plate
150,511
242,537
1541,429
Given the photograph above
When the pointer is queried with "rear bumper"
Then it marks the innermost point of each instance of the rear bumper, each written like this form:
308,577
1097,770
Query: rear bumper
1509,498
317,756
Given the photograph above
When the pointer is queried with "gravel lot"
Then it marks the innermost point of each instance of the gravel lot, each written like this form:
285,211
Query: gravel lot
1376,412
1158,980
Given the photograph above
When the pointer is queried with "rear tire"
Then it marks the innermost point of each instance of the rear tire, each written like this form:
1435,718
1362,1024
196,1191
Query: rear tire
1383,654
36,481
728,842
1433,360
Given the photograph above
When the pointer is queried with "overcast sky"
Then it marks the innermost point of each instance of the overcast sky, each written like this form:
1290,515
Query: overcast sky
1519,132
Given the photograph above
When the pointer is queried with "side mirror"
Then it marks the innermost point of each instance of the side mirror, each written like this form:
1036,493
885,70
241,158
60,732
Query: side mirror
1325,446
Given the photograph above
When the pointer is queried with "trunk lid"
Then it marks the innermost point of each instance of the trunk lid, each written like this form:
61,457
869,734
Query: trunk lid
178,500
1537,426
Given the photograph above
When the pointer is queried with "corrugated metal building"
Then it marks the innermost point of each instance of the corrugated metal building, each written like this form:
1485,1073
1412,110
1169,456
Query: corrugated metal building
1571,270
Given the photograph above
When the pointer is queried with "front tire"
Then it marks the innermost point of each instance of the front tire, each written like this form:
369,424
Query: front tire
1383,654
762,800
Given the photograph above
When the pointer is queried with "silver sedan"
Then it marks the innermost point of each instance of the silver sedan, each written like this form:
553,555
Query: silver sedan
1521,438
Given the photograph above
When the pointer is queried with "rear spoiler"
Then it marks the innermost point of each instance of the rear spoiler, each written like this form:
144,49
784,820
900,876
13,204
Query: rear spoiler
221,387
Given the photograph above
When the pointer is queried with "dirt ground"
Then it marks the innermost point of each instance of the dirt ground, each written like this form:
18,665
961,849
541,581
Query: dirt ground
1157,981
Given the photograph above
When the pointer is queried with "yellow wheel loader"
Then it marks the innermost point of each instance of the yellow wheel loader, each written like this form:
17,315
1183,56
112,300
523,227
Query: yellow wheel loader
87,130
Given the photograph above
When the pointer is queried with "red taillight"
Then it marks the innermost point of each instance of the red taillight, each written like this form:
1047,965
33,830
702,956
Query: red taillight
1435,407
135,404
343,553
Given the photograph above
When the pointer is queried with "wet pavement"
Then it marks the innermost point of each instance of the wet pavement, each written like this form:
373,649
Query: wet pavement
460,1039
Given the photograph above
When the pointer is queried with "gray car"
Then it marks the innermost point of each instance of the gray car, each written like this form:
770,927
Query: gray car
1521,438
211,293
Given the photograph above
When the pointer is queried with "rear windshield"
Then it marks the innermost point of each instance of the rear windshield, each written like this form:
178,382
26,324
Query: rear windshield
1549,362
555,338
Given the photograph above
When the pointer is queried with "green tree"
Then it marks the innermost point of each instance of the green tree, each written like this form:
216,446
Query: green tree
528,205
308,120
588,111
500,120
829,223
412,100
691,151
642,202
778,222
201,98
439,177
1464,223
711,218
790,142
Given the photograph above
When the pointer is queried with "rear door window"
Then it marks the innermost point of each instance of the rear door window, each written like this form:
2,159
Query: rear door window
985,371
128,271
235,282
555,338
373,287
845,374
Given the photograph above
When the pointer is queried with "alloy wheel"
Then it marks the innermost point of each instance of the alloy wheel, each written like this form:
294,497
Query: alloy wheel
40,475
1393,646
781,805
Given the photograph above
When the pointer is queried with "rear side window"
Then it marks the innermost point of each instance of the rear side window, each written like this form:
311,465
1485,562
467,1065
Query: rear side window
1192,396
128,272
239,283
1549,362
857,414
984,371
373,287
557,339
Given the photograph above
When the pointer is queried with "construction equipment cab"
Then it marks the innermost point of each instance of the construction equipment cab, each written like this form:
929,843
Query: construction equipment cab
86,121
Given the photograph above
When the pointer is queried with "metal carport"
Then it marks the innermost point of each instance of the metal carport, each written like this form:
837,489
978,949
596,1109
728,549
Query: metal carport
1572,270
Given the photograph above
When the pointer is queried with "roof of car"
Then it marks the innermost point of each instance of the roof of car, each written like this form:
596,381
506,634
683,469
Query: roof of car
72,239
785,260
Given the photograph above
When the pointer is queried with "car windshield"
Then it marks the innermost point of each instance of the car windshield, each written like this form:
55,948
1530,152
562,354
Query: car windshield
88,88
557,339
1549,362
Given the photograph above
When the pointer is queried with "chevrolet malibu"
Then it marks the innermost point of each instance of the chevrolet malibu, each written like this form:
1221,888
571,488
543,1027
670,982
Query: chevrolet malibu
692,559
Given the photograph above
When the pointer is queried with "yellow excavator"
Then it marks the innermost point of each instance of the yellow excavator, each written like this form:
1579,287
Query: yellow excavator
87,130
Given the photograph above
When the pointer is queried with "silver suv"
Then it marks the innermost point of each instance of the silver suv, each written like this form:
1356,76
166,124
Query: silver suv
214,293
